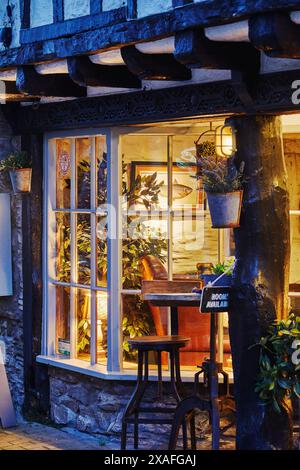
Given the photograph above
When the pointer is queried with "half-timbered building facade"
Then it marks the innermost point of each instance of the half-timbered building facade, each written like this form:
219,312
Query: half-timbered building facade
109,97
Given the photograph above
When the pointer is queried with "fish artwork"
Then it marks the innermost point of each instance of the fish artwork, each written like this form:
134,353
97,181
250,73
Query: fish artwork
179,190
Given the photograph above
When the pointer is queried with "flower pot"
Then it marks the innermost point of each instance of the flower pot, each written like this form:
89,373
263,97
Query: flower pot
225,209
21,180
225,281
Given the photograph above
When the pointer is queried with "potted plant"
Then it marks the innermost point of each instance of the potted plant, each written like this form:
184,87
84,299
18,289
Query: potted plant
217,270
18,164
222,182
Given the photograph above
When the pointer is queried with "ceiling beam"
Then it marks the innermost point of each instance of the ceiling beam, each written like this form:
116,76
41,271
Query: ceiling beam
11,93
275,34
29,82
85,73
154,66
194,50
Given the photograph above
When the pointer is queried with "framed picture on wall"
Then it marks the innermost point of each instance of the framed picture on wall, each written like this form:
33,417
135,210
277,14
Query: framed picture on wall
185,186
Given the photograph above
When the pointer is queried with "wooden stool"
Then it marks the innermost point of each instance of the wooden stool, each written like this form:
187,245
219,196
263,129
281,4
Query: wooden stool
145,344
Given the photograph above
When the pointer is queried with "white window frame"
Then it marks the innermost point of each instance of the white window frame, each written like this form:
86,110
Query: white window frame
114,369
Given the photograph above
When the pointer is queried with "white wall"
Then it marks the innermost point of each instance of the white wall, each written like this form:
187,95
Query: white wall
41,12
112,4
151,7
75,8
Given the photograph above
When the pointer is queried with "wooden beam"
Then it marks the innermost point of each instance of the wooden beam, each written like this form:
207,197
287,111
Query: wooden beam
194,50
154,66
36,377
73,26
125,32
58,11
275,34
30,82
180,3
131,9
25,13
85,73
12,94
95,7
272,94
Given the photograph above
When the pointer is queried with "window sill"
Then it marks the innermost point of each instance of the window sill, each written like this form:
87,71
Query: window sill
99,371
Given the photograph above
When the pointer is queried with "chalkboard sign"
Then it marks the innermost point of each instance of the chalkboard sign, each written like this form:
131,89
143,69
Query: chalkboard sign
215,299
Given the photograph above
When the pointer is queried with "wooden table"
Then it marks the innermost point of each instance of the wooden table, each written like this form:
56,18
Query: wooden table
189,404
173,300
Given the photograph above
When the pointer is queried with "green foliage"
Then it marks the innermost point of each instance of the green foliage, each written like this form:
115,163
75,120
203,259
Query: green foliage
206,149
136,321
220,268
218,174
16,161
279,375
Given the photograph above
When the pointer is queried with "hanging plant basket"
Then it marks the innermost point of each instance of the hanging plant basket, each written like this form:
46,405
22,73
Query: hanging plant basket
21,180
225,208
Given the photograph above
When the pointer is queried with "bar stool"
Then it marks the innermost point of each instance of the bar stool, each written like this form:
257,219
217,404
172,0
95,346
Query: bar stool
144,345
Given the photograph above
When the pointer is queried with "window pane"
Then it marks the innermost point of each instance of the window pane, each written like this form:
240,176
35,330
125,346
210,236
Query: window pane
62,320
101,156
194,243
83,249
145,182
144,251
142,319
83,316
63,173
185,191
63,248
102,251
102,328
83,164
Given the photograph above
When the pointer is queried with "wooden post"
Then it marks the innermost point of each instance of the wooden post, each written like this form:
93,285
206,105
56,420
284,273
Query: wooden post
261,277
36,380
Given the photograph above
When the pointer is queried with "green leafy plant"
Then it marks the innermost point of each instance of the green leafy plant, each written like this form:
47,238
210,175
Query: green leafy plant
279,374
16,161
218,174
221,268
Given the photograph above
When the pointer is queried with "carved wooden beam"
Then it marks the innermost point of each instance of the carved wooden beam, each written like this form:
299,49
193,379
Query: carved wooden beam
193,49
30,82
275,34
154,66
85,73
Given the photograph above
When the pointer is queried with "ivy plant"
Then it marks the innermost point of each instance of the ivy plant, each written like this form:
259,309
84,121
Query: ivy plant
279,374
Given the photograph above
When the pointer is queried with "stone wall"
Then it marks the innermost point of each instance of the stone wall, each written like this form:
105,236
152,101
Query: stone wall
96,406
11,308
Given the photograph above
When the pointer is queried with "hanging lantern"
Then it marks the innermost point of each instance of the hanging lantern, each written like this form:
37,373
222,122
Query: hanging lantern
225,141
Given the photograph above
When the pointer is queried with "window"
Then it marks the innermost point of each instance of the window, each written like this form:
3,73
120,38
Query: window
122,206
77,252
